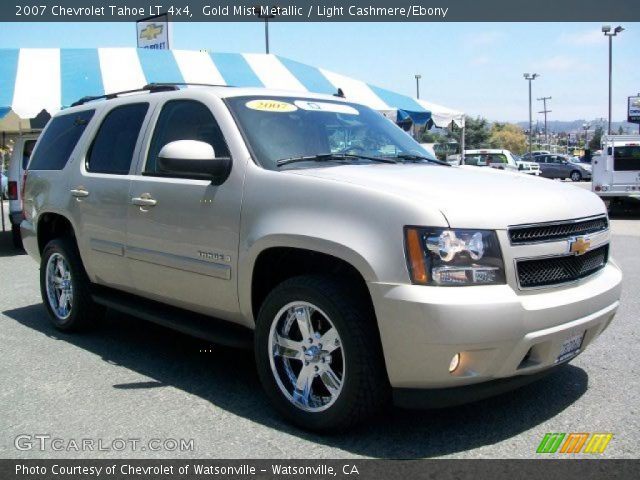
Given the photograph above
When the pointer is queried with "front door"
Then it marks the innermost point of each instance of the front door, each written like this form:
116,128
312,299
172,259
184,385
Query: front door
182,233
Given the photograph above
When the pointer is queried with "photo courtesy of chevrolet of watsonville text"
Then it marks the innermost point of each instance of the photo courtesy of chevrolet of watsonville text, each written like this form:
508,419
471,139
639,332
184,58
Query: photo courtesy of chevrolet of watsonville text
315,238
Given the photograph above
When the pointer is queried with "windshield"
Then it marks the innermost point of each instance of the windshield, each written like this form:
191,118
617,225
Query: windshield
284,128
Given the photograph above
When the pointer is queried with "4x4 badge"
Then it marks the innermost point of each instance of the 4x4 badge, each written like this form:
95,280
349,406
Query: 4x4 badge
579,245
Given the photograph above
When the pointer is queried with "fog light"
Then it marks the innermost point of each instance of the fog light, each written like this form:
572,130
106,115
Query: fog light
455,361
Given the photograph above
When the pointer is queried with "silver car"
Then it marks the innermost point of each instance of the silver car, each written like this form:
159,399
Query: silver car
360,269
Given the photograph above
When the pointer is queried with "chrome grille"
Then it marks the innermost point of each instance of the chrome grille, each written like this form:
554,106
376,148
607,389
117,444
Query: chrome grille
550,232
546,272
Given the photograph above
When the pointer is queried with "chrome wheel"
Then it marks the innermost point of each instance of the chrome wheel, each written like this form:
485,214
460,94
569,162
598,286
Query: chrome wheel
306,356
576,177
59,286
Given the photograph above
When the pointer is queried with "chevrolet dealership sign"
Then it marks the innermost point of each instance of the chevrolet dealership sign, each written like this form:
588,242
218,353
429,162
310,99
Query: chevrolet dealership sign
154,32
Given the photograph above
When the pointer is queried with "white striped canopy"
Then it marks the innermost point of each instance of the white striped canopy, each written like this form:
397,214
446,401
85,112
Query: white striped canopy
50,79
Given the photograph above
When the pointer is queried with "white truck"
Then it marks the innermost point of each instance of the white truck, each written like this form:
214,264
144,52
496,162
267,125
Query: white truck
616,173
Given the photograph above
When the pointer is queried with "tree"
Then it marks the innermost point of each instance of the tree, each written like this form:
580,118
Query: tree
508,136
476,133
594,143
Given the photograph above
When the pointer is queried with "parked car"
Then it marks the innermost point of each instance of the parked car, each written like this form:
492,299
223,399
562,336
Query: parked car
559,166
500,159
616,172
359,274
578,161
20,156
529,156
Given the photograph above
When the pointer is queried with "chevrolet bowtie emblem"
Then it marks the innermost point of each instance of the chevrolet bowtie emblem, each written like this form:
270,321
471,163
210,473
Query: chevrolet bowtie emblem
579,245
151,31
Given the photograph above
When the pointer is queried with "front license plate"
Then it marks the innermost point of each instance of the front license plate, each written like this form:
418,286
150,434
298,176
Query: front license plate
570,347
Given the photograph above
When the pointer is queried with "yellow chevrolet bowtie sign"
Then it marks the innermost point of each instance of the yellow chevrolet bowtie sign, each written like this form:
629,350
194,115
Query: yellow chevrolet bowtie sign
579,246
151,31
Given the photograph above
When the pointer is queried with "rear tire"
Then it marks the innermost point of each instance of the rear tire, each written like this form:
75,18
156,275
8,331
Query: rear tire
64,287
329,387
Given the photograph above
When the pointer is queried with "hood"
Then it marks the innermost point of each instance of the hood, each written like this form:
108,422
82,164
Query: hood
470,198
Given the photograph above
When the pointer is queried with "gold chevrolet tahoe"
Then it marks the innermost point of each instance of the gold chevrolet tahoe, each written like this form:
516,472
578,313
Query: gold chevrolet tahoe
359,269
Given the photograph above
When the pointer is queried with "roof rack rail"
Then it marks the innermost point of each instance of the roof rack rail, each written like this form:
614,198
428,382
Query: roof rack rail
151,88
186,84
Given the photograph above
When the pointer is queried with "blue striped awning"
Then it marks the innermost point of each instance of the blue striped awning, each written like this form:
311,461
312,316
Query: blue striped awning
35,79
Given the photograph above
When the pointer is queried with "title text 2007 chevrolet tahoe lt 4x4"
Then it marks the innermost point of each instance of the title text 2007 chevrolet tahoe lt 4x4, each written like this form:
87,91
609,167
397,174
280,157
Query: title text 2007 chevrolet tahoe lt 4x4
365,270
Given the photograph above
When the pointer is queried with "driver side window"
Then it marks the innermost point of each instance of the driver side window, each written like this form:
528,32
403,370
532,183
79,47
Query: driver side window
184,120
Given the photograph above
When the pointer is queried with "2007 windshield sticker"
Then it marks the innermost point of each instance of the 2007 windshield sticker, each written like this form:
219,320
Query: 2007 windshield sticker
271,106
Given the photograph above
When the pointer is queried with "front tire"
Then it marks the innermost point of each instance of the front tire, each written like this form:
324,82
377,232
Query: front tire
318,354
576,176
64,287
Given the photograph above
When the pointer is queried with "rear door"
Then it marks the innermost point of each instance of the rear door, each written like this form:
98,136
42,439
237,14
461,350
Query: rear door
626,166
98,194
183,243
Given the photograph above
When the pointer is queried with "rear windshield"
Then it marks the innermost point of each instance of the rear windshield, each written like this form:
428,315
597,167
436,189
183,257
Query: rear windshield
483,159
626,158
58,141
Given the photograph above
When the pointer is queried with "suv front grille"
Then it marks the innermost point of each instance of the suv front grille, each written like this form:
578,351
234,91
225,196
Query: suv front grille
551,232
546,272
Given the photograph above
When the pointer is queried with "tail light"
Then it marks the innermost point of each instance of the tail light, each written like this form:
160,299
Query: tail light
22,190
13,190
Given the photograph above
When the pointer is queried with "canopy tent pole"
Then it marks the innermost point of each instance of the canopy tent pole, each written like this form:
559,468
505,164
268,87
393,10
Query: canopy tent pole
2,171
462,145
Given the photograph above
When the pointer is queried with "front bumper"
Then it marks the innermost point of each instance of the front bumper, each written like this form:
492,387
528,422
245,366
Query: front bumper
499,332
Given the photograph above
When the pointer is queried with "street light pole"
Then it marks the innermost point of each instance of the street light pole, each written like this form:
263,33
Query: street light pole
545,111
530,78
418,77
606,29
266,15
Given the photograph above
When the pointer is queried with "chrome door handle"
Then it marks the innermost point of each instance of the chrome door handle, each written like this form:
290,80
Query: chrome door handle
79,192
144,200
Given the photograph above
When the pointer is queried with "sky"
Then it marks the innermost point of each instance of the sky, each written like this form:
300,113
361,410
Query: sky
473,67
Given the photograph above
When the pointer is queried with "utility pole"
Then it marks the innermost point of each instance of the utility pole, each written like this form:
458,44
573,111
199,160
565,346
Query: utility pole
545,111
530,77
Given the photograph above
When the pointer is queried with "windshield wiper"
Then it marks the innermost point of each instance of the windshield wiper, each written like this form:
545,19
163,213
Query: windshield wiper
407,156
332,156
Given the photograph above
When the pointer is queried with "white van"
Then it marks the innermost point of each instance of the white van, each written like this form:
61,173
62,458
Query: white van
22,149
616,173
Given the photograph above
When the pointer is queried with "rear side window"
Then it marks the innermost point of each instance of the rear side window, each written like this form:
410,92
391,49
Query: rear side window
185,120
113,146
59,140
26,152
626,158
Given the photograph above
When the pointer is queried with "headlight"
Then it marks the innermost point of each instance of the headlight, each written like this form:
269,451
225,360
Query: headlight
440,256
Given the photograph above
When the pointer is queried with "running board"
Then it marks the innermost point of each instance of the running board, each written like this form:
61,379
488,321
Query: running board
201,326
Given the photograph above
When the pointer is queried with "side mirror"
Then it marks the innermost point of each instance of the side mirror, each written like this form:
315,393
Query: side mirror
193,159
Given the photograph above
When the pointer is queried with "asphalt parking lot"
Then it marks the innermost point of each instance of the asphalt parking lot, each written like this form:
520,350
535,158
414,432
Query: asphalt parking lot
133,380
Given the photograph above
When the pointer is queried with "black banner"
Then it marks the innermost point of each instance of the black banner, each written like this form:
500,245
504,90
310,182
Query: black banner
321,10
543,469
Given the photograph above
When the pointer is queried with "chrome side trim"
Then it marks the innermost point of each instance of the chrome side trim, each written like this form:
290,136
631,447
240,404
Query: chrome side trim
104,246
179,262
